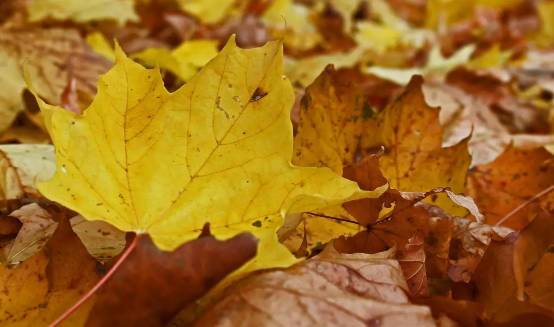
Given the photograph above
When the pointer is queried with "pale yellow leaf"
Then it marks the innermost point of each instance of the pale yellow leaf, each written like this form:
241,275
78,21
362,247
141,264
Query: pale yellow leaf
83,11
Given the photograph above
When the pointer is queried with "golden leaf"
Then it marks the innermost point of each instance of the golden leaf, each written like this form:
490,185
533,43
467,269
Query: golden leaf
216,151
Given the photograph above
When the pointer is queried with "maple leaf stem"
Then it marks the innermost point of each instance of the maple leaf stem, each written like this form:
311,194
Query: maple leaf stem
333,218
99,284
524,204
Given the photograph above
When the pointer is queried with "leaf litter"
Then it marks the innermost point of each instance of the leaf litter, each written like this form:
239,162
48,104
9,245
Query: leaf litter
376,162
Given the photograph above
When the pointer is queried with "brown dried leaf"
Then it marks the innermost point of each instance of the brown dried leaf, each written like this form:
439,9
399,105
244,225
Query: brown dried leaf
22,166
151,286
412,261
36,229
49,57
329,289
470,241
463,115
496,290
533,244
414,159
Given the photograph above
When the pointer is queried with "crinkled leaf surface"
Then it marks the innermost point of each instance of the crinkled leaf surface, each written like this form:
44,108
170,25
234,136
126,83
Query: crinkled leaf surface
217,150
330,289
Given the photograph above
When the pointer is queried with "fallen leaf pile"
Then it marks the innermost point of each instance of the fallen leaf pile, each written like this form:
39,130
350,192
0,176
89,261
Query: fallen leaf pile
276,162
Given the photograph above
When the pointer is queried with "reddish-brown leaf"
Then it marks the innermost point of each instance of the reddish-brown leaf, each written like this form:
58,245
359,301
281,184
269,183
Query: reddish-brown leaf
151,286
412,262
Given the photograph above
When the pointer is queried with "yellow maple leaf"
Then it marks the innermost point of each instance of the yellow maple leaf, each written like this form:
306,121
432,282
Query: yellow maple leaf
216,151
208,11
82,11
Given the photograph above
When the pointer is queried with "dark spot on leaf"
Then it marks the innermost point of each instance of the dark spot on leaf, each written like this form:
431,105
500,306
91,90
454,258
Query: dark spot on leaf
258,95
367,112
257,223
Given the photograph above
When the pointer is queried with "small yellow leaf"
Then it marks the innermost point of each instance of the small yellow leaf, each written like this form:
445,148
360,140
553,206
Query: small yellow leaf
319,227
82,11
216,151
100,45
494,57
545,37
208,11
184,61
376,36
